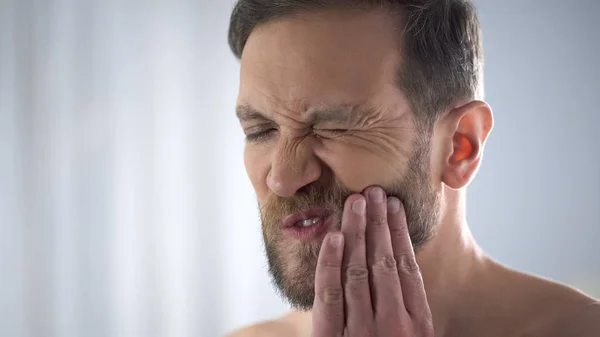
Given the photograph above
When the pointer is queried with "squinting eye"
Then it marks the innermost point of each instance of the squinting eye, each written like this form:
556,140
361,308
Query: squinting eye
261,135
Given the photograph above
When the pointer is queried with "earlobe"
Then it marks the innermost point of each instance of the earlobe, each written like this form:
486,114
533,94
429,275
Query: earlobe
470,126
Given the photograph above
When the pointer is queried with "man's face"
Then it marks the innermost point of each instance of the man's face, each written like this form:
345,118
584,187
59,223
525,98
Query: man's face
324,118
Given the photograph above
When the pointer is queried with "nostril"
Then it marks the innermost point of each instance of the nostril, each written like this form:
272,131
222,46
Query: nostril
305,189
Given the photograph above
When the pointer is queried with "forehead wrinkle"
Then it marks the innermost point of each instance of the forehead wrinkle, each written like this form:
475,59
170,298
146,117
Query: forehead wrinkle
292,116
298,113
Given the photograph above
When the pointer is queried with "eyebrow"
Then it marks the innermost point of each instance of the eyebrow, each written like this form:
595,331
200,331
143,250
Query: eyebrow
315,115
334,114
247,113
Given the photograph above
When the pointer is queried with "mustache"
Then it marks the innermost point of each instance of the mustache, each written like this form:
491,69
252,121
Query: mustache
331,197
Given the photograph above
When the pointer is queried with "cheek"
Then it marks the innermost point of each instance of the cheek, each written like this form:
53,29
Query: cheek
357,168
257,168
441,150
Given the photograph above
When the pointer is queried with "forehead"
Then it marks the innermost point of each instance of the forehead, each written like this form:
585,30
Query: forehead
316,59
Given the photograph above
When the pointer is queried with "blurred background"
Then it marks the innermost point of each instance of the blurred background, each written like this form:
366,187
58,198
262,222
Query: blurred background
125,209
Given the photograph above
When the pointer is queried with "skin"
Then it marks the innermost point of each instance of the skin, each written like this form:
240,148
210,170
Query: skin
449,287
382,291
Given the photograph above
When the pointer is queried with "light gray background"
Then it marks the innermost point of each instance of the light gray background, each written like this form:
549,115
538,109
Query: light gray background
535,204
124,205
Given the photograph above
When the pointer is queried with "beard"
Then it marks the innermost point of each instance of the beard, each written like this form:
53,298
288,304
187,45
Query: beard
292,264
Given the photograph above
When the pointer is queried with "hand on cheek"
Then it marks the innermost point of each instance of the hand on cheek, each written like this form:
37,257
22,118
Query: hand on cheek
367,281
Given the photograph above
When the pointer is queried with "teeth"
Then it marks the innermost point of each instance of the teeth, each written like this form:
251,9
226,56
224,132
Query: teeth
308,222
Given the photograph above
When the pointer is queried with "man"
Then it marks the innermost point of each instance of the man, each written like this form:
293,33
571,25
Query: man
365,123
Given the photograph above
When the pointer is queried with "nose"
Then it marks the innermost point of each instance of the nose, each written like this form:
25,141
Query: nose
293,166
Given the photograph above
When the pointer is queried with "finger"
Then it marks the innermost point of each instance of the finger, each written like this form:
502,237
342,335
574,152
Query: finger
415,299
385,283
357,297
328,306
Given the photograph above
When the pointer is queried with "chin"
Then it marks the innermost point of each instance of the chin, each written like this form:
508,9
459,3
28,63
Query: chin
292,265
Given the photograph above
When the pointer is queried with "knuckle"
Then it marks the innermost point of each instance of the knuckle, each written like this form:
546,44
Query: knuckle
332,264
357,273
359,236
378,220
407,264
399,231
332,295
386,264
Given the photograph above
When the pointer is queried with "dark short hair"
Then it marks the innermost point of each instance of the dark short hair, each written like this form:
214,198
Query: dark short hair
442,57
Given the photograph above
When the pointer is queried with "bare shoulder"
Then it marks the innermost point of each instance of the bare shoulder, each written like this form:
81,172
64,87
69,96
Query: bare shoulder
583,322
559,310
284,326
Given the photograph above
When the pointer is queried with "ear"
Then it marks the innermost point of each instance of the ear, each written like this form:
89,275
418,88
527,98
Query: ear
468,128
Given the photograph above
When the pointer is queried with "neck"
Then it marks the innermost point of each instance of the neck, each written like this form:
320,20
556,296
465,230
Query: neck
449,262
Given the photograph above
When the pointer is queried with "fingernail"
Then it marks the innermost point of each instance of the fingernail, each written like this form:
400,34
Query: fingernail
336,240
393,205
358,206
376,195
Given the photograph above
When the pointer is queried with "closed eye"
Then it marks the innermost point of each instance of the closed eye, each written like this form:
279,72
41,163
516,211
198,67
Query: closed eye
260,135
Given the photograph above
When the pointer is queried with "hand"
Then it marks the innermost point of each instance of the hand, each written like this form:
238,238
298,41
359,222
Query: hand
367,282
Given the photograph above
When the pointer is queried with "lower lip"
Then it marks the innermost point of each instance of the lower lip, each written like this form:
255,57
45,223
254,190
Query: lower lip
313,232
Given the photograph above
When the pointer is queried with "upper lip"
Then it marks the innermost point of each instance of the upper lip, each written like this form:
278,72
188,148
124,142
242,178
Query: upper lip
310,213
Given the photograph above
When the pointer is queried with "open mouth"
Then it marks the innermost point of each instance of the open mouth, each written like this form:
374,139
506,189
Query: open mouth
310,225
308,222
